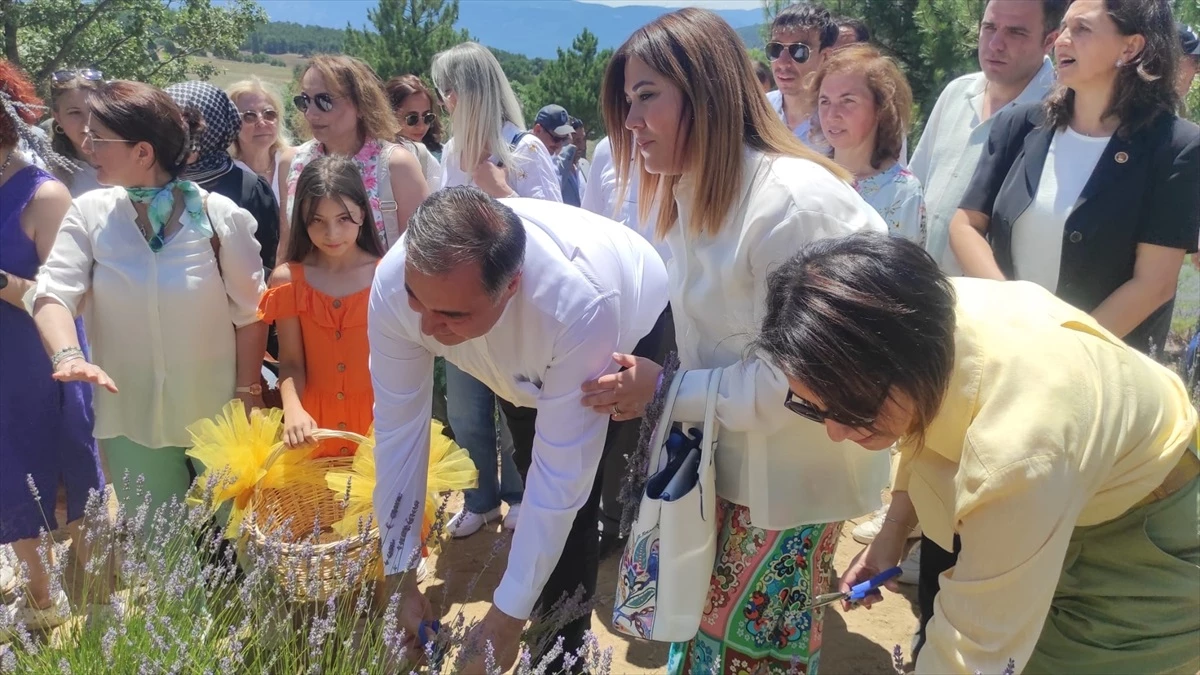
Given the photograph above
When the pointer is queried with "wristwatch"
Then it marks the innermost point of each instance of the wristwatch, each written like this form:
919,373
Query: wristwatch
3,280
254,389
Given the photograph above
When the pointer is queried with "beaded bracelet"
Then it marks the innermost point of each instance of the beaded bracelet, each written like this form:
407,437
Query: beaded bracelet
63,355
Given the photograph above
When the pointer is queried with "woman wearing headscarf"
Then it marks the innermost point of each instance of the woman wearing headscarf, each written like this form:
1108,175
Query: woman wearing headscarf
213,169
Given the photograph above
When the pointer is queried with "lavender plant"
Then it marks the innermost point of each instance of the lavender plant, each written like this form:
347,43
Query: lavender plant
162,591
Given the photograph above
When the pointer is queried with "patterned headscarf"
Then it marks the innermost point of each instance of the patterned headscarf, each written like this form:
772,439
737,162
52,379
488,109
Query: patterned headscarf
222,123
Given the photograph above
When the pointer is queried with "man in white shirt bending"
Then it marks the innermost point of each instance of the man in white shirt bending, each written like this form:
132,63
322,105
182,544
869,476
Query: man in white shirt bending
1015,39
532,298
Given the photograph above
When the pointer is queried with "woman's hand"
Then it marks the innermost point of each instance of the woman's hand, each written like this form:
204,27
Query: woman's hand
880,555
250,401
492,180
298,428
80,370
624,395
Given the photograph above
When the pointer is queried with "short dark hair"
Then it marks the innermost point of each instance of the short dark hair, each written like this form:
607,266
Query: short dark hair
463,225
1052,13
861,32
854,318
808,16
141,113
763,72
576,123
1145,86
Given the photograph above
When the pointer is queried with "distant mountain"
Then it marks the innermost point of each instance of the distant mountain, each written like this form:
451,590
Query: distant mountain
752,36
535,28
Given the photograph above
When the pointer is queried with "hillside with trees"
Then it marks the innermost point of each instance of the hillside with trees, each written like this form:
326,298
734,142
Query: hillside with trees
286,37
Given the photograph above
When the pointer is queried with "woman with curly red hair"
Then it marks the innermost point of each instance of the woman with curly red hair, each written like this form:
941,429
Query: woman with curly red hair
45,425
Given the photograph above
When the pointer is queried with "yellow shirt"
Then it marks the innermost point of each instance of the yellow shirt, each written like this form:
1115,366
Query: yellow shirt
1050,422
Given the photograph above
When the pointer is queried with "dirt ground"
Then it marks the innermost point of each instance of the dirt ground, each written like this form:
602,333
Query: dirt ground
858,642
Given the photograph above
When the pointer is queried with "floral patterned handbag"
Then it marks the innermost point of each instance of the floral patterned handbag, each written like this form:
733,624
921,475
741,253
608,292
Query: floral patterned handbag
664,574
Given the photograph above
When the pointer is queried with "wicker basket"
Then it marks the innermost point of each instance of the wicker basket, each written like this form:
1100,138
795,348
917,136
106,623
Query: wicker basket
291,527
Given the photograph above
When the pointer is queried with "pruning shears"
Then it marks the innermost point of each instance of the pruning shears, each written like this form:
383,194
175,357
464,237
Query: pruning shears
857,592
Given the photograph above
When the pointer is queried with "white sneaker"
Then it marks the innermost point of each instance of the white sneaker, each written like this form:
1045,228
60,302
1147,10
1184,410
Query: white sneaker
513,515
865,532
20,613
466,523
910,569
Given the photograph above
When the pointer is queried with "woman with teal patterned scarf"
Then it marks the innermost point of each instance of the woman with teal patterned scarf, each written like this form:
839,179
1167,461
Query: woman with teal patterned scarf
167,278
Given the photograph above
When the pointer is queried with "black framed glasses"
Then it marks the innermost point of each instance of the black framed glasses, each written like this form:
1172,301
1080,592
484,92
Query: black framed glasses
251,116
64,76
797,50
413,119
810,412
323,101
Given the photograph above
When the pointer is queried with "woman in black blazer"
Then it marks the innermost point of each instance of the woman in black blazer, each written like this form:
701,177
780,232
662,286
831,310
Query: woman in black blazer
1094,194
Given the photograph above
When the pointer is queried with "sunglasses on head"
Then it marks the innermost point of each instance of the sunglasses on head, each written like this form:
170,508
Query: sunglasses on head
324,101
797,50
251,116
810,412
64,76
413,119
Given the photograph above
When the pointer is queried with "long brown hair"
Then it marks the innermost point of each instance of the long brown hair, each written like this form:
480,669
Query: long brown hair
724,110
354,79
889,89
330,177
400,88
1145,87
58,139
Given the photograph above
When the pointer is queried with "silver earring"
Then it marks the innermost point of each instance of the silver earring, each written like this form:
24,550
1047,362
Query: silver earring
1120,63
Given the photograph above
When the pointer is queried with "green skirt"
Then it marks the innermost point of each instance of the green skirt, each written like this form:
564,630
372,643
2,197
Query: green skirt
1128,600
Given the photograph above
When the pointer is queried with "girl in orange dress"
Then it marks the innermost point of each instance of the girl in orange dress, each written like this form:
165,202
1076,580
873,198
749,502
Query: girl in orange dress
318,302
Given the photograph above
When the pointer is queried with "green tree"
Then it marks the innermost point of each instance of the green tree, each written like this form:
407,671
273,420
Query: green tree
407,34
153,41
573,81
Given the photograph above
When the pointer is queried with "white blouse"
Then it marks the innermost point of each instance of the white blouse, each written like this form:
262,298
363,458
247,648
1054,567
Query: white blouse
160,324
768,458
534,174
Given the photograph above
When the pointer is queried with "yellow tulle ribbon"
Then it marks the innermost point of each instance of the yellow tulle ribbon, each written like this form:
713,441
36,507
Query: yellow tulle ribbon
235,450
450,468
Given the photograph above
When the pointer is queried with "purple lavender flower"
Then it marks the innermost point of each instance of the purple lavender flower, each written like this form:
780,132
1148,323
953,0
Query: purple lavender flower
898,659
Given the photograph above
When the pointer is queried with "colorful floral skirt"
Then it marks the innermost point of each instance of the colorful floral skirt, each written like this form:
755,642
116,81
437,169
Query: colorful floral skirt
754,621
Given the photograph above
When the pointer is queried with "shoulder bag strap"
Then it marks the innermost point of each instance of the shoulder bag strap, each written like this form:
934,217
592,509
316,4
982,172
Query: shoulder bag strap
387,199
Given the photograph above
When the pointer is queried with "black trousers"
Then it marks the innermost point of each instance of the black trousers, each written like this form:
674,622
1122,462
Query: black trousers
934,561
580,560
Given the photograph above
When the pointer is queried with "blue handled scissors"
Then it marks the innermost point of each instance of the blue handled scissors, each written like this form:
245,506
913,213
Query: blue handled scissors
858,591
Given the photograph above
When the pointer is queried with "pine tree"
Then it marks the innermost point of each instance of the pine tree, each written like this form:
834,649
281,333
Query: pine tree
407,34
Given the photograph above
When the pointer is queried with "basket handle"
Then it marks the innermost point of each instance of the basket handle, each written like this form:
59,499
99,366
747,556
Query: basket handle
280,448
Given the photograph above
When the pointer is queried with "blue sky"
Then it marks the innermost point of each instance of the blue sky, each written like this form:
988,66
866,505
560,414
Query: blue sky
707,4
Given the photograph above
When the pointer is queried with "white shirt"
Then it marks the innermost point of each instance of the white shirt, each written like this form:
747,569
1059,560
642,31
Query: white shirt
950,148
601,198
430,167
588,288
1037,236
534,174
160,324
781,465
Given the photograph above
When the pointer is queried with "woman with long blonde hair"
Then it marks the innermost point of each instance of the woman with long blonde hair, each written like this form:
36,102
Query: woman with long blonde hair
347,112
263,139
737,194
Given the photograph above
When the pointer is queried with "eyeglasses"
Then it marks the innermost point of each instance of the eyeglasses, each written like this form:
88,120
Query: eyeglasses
64,76
251,116
413,119
324,101
810,412
797,50
90,138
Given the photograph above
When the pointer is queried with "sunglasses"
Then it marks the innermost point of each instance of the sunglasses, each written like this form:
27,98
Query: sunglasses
810,412
324,101
251,116
797,50
64,76
413,119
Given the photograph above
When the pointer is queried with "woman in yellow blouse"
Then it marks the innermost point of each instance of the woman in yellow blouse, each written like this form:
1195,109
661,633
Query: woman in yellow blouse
1062,460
